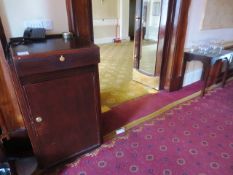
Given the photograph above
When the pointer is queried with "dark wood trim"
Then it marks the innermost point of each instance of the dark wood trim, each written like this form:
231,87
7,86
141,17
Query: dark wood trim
138,33
206,61
172,63
3,37
163,29
9,106
70,15
77,19
230,47
221,75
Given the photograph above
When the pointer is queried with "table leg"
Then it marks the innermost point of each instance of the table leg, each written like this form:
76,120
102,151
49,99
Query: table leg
225,73
206,76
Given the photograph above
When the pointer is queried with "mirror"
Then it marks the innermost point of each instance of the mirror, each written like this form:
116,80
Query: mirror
150,27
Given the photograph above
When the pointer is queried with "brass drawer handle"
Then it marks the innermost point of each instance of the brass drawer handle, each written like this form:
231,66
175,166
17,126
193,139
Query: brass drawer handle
62,58
39,119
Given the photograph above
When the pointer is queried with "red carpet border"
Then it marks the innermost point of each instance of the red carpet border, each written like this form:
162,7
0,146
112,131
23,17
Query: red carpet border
192,139
135,109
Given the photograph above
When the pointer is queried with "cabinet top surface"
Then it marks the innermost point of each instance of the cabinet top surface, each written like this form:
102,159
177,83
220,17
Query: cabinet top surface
49,46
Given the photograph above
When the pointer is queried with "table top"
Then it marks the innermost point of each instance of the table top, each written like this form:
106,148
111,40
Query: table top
225,54
47,46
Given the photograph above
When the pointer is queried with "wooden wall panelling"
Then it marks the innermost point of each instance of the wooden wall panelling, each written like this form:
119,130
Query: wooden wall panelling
172,65
3,37
78,12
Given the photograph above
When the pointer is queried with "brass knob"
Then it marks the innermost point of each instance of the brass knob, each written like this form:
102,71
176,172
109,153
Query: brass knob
62,58
39,119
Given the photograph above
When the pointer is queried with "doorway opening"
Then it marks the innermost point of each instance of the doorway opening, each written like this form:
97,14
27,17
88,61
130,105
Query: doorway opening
114,19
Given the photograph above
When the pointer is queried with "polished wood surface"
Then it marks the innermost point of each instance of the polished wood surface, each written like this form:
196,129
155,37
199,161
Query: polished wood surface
172,65
80,19
9,108
64,93
58,81
46,56
230,71
50,45
3,39
70,115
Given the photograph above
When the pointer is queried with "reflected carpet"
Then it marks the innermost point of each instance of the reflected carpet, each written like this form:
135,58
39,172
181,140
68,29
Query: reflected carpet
194,138
116,71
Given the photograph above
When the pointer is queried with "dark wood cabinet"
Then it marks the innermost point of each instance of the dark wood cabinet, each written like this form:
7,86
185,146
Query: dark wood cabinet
64,115
58,86
55,89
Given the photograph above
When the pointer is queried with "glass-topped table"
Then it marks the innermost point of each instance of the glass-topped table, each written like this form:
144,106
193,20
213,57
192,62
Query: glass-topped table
209,60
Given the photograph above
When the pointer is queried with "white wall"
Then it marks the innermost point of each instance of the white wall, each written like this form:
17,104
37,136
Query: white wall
124,19
152,24
194,33
105,19
106,16
15,12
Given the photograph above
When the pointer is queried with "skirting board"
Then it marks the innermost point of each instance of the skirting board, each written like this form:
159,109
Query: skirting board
104,40
104,22
108,40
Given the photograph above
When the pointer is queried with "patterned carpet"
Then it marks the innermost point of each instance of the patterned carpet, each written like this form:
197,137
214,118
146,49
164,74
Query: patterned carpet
194,138
148,61
116,69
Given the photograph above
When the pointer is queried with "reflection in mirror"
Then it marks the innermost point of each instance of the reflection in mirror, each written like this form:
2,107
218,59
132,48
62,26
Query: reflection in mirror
150,27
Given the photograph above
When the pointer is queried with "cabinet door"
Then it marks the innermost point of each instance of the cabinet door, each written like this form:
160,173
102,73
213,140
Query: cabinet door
65,116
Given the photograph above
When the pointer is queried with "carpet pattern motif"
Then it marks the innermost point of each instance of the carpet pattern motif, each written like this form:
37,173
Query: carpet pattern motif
194,138
116,71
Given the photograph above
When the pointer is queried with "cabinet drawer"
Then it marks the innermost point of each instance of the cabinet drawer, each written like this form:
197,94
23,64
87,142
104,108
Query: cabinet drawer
41,63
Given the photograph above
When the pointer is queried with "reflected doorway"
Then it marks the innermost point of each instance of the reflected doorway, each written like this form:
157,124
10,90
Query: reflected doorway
116,59
147,21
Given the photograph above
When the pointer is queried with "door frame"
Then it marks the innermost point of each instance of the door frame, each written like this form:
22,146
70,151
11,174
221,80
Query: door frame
172,60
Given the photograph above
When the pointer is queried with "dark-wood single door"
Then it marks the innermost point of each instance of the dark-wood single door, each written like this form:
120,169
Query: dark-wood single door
65,116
